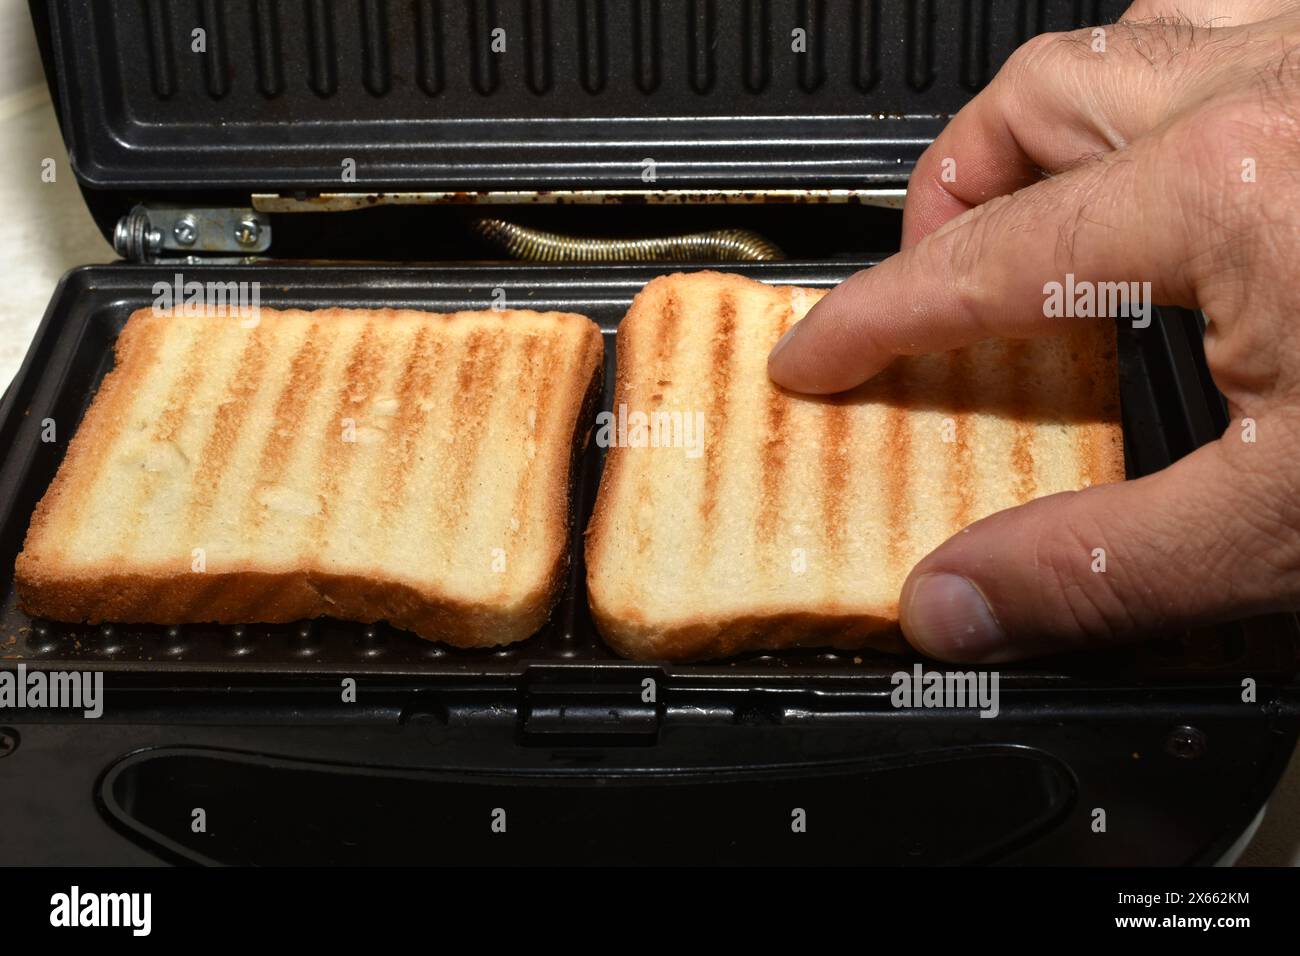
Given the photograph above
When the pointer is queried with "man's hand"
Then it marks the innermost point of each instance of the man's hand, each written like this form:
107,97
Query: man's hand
1169,152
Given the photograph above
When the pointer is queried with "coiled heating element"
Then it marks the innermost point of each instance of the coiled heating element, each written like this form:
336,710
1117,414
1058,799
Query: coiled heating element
536,245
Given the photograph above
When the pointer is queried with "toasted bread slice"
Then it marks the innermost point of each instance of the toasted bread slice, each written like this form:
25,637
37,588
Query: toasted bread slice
800,517
368,465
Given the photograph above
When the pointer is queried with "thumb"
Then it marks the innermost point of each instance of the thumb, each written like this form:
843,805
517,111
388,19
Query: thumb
1212,537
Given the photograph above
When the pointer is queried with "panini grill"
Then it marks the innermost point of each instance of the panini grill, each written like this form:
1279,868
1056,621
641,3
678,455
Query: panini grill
617,121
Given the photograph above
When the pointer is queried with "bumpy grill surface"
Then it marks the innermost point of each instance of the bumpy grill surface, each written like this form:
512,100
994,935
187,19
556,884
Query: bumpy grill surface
483,93
597,46
1164,416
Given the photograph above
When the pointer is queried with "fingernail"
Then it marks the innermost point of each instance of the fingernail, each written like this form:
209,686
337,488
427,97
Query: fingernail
948,617
785,340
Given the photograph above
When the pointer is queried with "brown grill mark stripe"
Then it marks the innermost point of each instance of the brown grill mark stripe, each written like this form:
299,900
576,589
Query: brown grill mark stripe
1092,413
1022,437
772,467
475,392
243,386
835,424
720,369
291,406
178,396
359,379
415,384
169,422
896,461
534,364
666,342
669,320
962,478
142,353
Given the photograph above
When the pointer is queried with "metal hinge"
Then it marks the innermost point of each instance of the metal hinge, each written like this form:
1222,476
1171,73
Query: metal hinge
192,234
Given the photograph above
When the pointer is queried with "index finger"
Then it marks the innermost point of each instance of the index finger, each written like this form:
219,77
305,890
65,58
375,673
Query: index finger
990,271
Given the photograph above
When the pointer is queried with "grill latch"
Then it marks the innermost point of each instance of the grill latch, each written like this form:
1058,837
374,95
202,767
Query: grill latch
565,709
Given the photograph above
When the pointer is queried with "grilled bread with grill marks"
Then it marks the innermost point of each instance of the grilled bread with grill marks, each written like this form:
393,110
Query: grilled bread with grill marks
800,520
368,465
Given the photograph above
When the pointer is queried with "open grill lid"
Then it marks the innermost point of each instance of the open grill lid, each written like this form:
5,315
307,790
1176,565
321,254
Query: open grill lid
163,97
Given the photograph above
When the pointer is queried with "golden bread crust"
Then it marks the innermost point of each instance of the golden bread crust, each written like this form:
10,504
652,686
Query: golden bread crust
690,560
419,384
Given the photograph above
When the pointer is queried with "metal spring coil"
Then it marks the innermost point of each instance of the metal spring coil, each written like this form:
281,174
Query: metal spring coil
535,245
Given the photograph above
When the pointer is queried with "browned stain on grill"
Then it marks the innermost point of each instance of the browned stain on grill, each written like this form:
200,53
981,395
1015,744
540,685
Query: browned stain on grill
415,384
231,413
775,444
291,408
720,362
895,460
1022,435
360,376
962,478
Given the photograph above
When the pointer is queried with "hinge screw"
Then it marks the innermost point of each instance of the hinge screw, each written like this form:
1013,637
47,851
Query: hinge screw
185,231
248,231
1186,742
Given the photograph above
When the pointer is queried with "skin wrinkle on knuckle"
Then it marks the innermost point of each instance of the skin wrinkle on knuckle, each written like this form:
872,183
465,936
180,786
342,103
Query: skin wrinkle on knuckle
1120,84
1091,601
1024,66
1244,230
1188,205
964,258
1270,115
1092,222
1073,228
1048,79
1256,564
1269,549
1265,506
1223,560
1169,42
